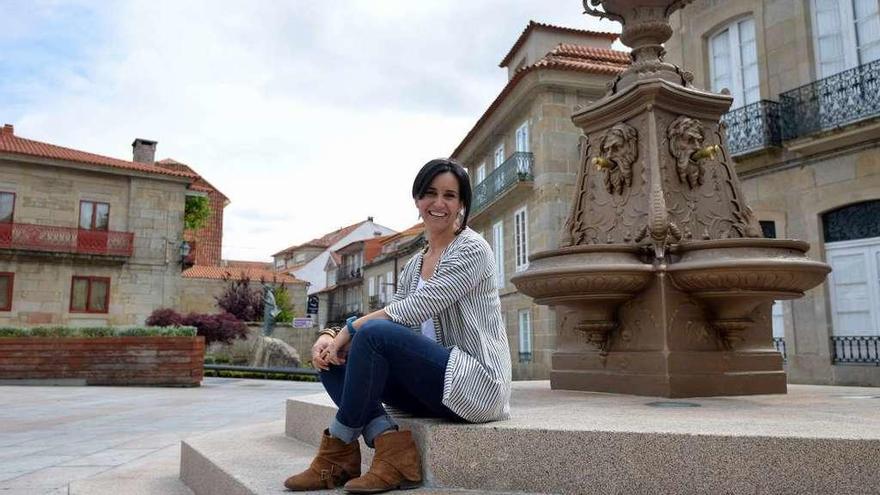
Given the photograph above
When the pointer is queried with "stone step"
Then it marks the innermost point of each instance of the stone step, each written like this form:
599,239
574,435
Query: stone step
254,460
155,474
811,440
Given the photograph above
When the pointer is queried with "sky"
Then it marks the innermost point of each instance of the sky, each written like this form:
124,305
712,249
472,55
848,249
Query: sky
308,114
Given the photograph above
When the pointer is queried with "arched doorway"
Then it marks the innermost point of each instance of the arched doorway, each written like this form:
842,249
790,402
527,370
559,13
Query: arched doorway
852,248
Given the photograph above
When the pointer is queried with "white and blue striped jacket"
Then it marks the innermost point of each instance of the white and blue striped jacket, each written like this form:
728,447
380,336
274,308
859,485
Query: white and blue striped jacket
462,299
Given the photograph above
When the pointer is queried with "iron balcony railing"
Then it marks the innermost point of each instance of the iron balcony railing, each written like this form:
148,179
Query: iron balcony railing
377,302
831,102
779,343
50,238
855,349
753,127
525,357
347,273
341,312
517,168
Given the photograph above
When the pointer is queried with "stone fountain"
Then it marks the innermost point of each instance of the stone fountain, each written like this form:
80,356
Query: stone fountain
663,284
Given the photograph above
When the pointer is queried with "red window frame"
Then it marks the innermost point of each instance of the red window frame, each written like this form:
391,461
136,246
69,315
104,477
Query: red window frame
94,214
11,277
89,294
12,215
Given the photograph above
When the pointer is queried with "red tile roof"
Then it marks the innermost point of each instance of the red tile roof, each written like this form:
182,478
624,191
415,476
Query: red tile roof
237,273
549,27
200,184
326,240
565,57
12,144
266,265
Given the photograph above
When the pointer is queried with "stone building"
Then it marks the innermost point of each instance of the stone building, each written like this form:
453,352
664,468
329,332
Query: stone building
202,284
522,157
308,261
805,135
381,272
87,239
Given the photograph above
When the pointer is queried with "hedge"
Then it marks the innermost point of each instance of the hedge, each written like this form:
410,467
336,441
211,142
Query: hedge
93,332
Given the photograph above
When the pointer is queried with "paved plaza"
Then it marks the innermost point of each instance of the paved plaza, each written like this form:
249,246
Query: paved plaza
52,436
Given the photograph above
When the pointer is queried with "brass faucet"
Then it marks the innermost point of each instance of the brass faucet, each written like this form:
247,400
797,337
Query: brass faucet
601,163
707,152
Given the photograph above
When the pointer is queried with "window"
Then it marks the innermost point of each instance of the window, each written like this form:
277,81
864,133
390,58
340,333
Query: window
521,238
498,248
481,173
371,291
94,215
733,62
499,155
847,34
7,206
525,335
522,138
389,285
6,291
89,294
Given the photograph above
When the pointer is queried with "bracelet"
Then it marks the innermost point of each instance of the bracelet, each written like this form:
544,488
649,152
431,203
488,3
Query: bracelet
349,326
329,331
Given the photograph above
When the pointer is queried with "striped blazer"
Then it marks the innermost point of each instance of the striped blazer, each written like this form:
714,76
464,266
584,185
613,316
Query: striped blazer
462,299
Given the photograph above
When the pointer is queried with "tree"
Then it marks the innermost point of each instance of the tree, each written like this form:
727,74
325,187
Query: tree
240,300
196,212
284,304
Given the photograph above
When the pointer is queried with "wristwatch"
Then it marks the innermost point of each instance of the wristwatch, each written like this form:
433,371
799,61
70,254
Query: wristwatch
349,326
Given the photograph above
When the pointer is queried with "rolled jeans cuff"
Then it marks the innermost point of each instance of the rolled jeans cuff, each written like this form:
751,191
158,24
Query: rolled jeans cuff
345,433
376,427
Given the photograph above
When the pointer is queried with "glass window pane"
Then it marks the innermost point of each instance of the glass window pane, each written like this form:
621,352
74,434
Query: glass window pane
102,216
865,8
98,299
7,202
5,281
79,294
85,214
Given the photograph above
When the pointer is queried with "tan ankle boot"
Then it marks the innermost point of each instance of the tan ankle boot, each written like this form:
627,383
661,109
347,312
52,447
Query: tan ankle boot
333,465
396,465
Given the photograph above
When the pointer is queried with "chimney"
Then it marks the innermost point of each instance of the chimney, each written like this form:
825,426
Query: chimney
369,219
143,151
7,130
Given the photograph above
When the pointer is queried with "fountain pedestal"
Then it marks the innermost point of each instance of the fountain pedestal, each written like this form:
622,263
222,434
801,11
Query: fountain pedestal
663,284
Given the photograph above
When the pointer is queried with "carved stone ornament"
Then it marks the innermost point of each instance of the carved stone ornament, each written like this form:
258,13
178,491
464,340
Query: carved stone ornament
686,139
619,149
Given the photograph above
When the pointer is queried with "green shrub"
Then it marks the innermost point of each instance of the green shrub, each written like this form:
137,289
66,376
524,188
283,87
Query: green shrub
284,304
93,332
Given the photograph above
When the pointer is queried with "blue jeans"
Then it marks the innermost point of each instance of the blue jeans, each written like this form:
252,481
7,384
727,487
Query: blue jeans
389,363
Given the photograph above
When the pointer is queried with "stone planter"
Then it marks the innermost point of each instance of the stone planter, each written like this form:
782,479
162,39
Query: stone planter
150,361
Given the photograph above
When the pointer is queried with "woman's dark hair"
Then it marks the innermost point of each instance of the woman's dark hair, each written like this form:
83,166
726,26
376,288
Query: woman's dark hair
436,167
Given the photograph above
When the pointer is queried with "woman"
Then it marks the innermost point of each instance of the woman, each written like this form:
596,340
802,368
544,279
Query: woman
438,349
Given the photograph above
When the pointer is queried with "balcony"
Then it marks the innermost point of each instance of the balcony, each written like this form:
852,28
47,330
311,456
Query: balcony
515,170
348,274
377,303
753,127
863,349
832,102
66,240
340,312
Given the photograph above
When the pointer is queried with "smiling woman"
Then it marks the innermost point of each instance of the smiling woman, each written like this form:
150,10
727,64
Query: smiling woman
438,349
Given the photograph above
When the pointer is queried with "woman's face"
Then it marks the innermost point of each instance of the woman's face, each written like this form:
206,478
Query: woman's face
440,205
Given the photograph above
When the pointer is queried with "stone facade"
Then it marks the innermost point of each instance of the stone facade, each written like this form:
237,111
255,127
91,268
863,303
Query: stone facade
793,183
542,101
150,207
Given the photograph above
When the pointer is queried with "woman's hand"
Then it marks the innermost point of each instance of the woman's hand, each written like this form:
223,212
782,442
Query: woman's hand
318,359
337,350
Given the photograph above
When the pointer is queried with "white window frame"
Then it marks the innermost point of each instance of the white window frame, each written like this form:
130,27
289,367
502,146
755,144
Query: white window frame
371,287
735,48
848,31
870,248
498,157
498,249
481,173
521,238
522,138
389,285
524,324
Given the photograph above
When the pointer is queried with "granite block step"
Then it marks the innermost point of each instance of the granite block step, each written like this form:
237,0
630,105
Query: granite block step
255,460
811,440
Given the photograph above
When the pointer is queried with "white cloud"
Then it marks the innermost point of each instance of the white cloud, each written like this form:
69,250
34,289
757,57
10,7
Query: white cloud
309,115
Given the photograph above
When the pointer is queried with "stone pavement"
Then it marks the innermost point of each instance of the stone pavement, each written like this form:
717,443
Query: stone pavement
52,436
